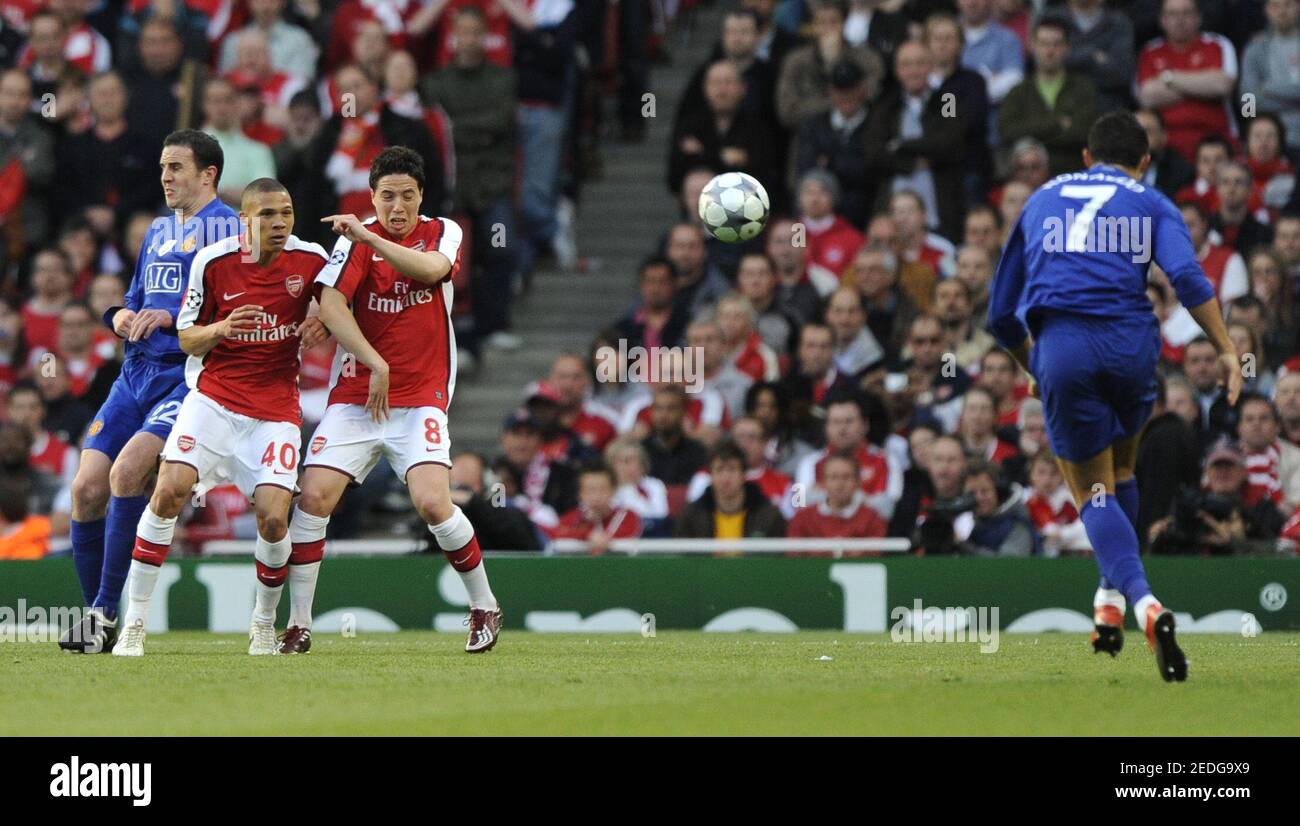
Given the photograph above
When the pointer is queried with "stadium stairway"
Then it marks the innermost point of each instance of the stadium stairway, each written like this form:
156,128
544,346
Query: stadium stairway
619,220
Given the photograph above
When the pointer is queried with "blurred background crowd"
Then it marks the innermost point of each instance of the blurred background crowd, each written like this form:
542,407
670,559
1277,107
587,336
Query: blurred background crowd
847,385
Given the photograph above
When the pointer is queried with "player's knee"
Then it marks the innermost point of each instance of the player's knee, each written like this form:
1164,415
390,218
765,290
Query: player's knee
89,494
272,526
434,507
315,502
168,498
128,478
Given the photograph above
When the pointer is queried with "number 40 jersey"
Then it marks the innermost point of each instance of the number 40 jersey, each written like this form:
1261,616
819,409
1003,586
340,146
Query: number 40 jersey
1083,245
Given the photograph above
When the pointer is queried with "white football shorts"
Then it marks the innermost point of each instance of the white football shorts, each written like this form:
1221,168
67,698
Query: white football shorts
229,447
349,441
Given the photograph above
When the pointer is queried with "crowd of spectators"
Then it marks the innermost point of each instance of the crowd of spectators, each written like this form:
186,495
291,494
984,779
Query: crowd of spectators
504,100
838,380
847,386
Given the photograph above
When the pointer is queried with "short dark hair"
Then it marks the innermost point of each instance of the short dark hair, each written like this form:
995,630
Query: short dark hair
844,456
1195,206
305,97
206,149
998,352
599,469
983,208
656,261
1053,21
261,186
1247,398
746,13
1277,124
983,467
397,160
1213,139
1247,302
24,386
840,6
727,451
77,304
14,495
778,393
58,252
472,11
1118,138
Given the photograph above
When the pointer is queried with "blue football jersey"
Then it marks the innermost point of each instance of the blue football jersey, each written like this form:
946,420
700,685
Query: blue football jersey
162,271
1083,245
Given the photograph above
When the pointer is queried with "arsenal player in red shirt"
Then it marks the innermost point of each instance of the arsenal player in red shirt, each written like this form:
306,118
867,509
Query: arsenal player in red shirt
242,323
386,295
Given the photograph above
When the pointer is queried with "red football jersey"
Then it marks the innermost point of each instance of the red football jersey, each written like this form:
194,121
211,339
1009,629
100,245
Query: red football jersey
254,374
873,469
407,321
1187,121
620,523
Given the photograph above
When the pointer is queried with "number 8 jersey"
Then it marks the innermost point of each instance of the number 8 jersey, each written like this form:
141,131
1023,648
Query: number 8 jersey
407,321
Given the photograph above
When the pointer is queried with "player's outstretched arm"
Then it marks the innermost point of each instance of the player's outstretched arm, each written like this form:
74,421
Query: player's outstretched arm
426,266
1210,317
199,339
338,318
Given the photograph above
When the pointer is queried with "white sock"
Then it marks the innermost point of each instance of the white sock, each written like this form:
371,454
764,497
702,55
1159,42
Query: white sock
1140,610
480,593
140,583
273,555
1109,596
454,534
153,528
302,590
303,528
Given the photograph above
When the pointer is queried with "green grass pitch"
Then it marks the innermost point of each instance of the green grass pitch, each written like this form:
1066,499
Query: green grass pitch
678,683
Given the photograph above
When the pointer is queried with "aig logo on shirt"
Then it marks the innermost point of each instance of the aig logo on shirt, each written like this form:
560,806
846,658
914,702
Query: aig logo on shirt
162,277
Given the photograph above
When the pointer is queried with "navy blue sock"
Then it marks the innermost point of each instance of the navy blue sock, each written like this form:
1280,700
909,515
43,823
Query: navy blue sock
88,555
1127,494
1114,543
119,540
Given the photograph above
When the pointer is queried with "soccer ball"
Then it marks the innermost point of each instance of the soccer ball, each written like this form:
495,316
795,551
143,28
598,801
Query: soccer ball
734,207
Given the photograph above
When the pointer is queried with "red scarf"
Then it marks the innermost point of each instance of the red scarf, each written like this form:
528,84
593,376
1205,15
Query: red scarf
1262,478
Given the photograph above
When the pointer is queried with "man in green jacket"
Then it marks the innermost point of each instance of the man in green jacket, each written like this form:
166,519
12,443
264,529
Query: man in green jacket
1052,105
479,97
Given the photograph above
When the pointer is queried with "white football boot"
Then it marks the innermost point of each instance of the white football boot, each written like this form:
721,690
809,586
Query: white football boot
131,642
261,639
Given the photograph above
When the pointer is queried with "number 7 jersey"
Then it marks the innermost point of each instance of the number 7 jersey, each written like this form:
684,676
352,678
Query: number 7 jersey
407,321
1083,245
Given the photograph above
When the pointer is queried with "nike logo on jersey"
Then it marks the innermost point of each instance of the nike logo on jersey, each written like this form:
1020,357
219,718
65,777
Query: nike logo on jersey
376,258
230,296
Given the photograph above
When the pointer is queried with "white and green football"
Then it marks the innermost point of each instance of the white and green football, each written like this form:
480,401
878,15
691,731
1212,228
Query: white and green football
734,207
